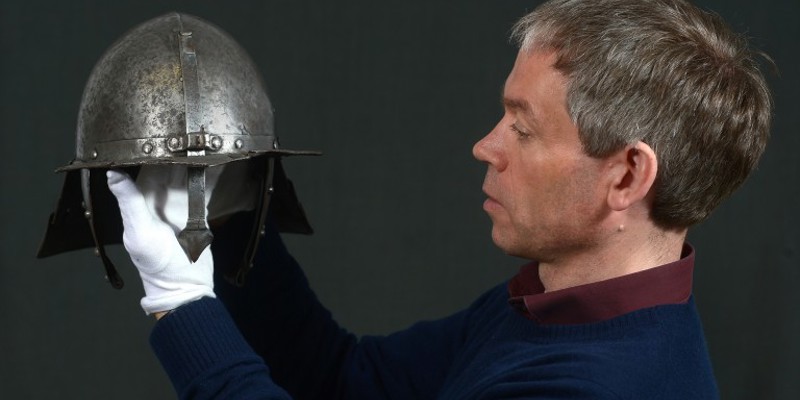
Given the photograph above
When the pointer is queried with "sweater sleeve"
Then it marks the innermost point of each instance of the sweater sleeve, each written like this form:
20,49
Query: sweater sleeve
310,355
205,357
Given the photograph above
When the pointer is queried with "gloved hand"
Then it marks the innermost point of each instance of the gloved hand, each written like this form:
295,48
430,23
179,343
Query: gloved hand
151,221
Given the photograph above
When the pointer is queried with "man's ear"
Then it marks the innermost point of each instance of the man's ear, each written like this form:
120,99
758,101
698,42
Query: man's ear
633,171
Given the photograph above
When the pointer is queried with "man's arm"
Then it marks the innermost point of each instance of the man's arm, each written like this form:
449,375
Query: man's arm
309,354
206,355
195,339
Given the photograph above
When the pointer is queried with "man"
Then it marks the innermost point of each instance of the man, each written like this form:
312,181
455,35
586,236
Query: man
626,122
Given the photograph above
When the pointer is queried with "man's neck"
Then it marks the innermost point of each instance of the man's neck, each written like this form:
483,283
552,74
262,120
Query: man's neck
625,253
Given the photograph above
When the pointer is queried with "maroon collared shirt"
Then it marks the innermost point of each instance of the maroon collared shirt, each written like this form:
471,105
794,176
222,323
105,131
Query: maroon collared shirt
666,284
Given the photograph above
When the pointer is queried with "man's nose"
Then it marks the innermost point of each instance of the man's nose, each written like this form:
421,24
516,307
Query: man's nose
488,149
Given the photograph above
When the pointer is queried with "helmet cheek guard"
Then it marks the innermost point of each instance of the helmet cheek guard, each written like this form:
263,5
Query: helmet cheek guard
173,90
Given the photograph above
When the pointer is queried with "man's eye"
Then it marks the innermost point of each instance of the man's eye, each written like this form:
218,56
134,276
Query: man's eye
521,133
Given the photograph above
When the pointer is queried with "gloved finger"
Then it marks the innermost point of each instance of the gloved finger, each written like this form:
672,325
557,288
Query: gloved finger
212,177
150,242
165,193
132,205
160,177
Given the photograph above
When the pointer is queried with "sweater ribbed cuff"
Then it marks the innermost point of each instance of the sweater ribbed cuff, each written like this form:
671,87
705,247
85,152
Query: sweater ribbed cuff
196,338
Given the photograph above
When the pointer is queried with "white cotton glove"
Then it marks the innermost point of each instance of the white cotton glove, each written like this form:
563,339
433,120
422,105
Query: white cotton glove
151,221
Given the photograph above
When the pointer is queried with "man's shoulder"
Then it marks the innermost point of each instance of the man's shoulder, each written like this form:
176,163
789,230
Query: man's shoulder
655,353
658,352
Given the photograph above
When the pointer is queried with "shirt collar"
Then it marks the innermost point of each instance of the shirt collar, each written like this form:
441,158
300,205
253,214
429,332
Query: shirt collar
666,284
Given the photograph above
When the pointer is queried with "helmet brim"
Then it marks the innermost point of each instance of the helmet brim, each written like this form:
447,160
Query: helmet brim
209,160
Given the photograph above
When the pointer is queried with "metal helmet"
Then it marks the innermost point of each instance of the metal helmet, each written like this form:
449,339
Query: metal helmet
173,90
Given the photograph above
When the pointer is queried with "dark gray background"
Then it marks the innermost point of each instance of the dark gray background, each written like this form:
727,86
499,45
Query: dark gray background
395,93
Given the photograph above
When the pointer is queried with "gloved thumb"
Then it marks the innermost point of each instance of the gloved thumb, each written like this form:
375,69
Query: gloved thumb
132,205
142,232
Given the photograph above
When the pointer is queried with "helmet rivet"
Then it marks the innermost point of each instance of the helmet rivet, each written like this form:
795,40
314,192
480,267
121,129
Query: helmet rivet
97,252
216,143
87,214
275,144
238,143
173,143
147,148
263,231
271,190
94,153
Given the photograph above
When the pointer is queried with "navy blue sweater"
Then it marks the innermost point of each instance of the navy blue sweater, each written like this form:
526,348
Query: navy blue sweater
220,348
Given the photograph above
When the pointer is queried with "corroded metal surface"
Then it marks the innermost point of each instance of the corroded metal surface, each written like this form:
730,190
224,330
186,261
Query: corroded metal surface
140,96
173,90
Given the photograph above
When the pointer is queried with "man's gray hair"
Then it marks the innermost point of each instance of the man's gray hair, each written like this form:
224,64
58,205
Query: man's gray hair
669,74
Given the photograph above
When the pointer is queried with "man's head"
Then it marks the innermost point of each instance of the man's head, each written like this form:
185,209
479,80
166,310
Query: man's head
668,74
657,87
540,184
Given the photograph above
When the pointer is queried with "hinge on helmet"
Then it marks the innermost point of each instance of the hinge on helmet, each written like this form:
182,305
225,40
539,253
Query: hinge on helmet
194,141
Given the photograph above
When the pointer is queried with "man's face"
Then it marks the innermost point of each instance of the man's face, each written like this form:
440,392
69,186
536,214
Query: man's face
544,193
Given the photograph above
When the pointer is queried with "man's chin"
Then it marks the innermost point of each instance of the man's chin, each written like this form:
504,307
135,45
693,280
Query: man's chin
503,242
